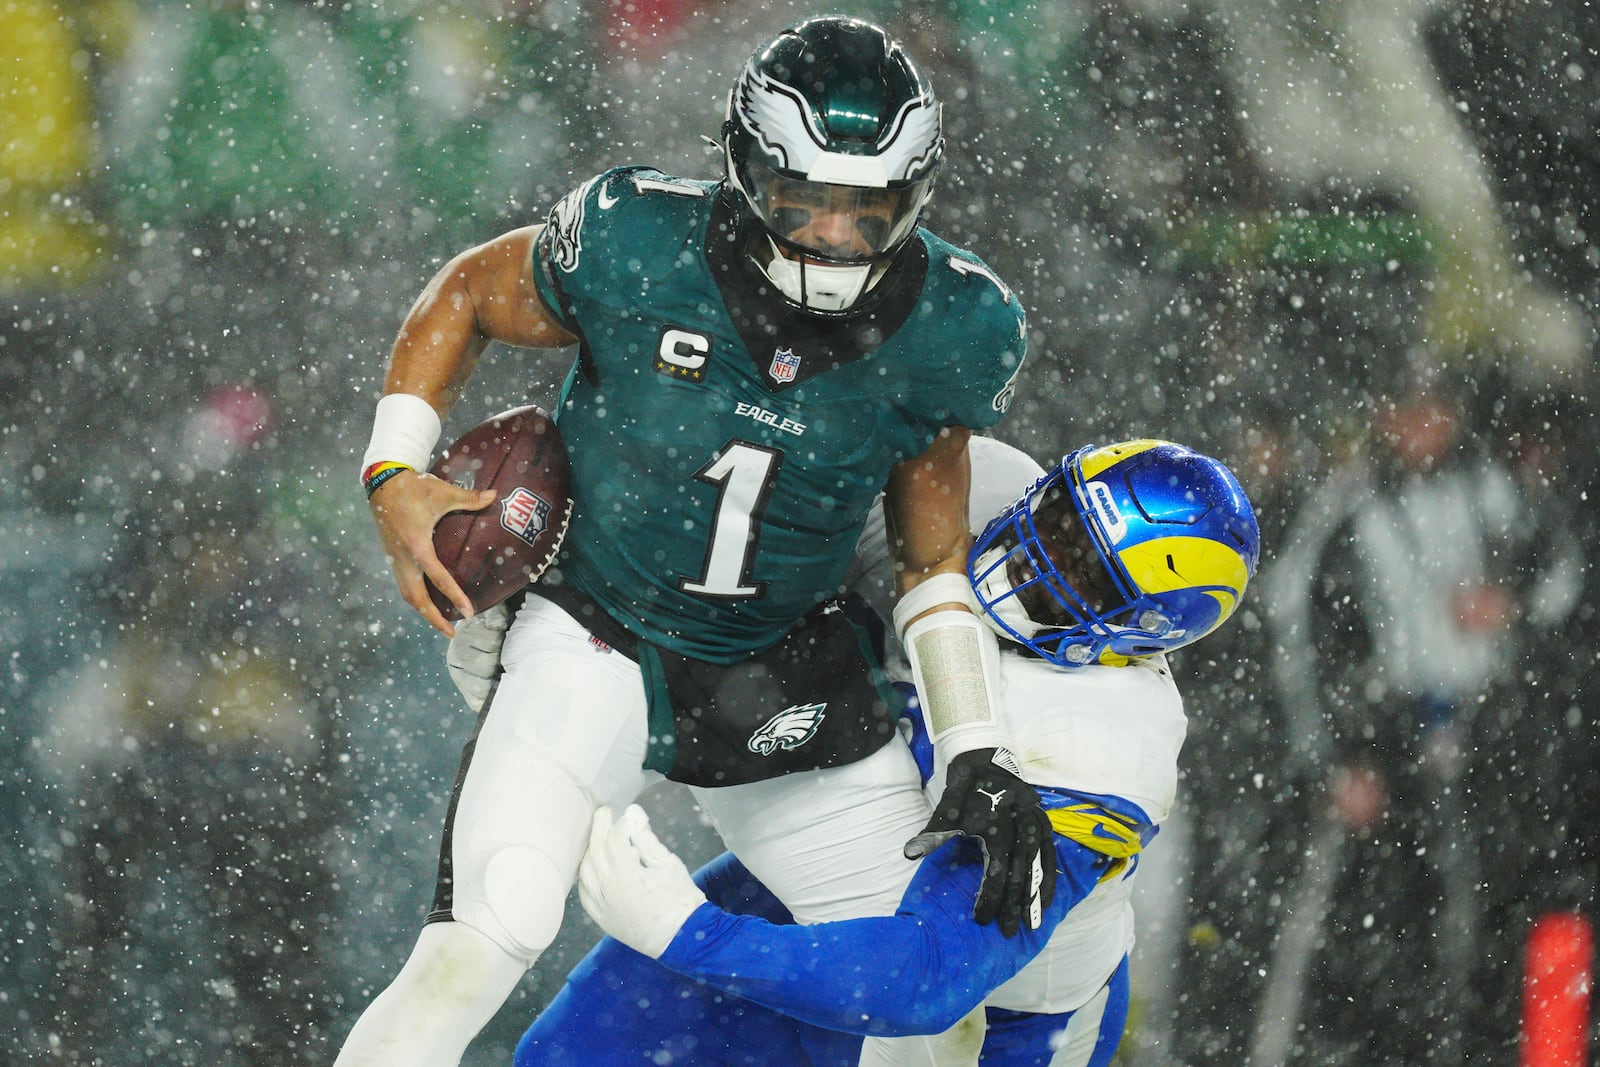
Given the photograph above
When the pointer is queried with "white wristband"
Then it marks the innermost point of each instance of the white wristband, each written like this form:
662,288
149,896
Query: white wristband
930,593
955,659
404,430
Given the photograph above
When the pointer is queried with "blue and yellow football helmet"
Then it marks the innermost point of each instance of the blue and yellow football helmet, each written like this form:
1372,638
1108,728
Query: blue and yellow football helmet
1121,551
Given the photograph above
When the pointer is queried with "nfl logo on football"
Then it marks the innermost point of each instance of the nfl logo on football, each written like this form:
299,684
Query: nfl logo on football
784,365
524,514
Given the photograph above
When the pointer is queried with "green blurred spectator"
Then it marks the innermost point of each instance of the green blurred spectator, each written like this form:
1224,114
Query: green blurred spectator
231,115
337,119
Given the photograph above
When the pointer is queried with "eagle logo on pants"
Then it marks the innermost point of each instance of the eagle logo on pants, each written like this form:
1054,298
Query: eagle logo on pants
789,729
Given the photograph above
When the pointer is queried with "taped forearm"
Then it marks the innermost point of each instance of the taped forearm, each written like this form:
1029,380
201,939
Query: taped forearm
955,661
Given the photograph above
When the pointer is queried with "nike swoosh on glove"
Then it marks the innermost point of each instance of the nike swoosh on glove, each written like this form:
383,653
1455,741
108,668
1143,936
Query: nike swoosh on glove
634,887
473,658
985,799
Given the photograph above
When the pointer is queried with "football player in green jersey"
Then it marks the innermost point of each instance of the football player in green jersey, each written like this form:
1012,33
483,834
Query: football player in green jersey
757,358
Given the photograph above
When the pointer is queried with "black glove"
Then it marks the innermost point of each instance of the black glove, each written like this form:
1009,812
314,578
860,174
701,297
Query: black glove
984,798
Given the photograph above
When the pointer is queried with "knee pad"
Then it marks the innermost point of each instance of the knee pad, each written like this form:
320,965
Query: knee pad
523,900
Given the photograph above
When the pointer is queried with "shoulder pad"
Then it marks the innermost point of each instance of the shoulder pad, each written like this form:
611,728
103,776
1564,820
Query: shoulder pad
631,205
983,332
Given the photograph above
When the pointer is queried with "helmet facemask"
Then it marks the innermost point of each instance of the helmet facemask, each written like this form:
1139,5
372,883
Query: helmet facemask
827,244
1044,580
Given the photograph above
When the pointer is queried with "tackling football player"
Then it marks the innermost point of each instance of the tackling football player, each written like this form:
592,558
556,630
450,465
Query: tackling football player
1117,556
757,357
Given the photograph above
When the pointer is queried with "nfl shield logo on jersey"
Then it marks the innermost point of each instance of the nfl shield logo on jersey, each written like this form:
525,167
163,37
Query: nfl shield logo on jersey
784,365
524,514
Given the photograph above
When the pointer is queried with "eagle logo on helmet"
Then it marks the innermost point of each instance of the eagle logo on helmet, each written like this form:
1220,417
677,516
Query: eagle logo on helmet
778,118
785,125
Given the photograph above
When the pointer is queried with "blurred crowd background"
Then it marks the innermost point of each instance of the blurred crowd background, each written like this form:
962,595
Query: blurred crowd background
1350,246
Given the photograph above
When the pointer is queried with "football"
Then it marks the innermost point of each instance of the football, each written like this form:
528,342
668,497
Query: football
495,552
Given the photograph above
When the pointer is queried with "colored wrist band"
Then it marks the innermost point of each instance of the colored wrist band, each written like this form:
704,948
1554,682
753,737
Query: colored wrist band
378,473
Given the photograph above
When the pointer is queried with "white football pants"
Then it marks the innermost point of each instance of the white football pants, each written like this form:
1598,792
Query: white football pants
565,732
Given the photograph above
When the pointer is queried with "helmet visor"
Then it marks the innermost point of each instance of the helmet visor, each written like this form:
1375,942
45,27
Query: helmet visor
834,223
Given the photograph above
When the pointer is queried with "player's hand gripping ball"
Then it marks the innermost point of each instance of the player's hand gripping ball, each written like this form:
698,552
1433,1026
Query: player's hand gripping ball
494,552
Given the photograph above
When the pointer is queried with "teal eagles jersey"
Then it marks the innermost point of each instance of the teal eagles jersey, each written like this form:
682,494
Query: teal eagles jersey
726,448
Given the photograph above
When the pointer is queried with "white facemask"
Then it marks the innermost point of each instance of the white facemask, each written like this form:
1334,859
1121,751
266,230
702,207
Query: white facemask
820,287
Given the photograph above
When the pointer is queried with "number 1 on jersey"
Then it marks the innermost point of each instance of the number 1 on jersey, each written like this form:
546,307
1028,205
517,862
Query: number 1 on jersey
743,474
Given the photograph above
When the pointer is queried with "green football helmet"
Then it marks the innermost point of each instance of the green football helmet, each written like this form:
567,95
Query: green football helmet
831,143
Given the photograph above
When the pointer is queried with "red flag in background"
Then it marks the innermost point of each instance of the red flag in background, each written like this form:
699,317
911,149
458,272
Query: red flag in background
642,29
1557,977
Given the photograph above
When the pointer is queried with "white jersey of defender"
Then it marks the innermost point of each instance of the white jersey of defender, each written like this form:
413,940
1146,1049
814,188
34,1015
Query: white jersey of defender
1106,731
